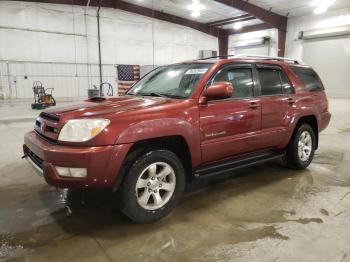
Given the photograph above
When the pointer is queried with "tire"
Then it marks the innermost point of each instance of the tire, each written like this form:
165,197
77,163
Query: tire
295,157
139,192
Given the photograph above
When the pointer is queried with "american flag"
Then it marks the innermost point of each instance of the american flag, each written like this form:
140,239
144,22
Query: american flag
127,76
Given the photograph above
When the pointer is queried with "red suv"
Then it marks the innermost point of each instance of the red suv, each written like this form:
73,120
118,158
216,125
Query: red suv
178,123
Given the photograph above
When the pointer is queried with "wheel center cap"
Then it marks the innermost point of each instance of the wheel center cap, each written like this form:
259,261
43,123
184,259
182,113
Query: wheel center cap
154,184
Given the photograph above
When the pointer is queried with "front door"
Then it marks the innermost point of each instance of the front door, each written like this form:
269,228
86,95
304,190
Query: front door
229,127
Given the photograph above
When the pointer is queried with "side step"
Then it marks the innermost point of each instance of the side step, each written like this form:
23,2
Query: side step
237,163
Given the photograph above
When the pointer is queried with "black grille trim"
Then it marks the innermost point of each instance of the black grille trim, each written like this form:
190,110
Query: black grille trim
51,117
37,160
48,139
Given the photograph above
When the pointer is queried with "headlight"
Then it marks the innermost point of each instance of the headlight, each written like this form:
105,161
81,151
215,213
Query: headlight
80,130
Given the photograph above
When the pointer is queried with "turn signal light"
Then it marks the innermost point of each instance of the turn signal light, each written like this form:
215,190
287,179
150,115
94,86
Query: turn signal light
71,172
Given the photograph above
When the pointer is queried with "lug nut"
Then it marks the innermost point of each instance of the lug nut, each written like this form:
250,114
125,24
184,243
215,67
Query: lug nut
148,184
153,178
160,185
155,191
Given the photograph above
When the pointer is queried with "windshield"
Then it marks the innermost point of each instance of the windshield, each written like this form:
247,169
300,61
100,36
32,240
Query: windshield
177,81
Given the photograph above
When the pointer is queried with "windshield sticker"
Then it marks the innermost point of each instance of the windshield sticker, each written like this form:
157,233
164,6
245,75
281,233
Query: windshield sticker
196,71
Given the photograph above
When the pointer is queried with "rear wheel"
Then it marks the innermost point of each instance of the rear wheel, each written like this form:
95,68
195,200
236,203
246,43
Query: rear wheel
301,148
152,186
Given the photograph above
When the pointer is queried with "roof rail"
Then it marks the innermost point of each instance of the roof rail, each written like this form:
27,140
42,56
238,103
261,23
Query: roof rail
217,56
278,58
265,57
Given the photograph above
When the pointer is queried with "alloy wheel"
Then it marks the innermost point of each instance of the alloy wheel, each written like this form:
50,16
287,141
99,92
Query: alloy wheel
155,186
304,146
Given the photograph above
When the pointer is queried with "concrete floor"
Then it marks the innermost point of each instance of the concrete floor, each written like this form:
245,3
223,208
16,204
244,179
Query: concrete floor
264,213
19,110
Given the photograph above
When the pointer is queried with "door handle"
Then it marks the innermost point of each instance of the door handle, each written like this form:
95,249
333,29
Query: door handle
290,100
253,105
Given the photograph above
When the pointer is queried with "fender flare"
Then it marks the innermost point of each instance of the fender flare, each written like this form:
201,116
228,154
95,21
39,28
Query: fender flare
157,128
295,120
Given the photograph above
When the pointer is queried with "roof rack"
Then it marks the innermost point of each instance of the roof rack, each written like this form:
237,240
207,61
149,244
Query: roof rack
217,56
278,58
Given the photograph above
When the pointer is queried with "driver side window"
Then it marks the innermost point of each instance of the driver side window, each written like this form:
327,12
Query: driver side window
240,78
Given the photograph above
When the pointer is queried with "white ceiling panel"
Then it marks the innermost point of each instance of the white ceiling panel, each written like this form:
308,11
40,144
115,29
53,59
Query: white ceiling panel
244,23
295,7
213,11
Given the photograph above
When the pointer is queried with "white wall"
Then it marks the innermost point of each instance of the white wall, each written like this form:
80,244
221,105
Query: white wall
271,49
58,45
333,18
330,56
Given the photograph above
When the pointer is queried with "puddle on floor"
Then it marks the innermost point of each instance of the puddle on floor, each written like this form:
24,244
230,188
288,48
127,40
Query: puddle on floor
38,216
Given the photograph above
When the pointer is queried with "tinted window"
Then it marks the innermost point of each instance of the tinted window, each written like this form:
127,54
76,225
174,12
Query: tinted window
270,81
286,87
241,79
309,78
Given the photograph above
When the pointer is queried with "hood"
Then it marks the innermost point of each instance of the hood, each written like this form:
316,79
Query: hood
108,107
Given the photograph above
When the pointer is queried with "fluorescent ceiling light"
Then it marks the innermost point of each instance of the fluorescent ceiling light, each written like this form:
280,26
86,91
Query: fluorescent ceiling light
196,7
321,6
195,13
237,26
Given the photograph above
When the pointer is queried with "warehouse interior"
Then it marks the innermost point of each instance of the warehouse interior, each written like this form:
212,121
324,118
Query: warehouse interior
261,213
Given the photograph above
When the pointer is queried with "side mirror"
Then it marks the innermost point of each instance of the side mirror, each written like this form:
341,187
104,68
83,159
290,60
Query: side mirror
219,90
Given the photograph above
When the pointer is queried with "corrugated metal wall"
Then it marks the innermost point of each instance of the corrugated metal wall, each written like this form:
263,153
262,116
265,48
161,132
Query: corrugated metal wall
59,46
75,78
67,79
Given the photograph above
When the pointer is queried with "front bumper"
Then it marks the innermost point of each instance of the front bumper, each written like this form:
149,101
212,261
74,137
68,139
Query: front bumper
102,162
325,119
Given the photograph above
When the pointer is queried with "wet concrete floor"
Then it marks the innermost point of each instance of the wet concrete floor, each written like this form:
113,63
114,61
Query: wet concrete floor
263,213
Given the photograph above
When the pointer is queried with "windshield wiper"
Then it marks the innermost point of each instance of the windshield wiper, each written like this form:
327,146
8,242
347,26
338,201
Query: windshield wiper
153,94
159,95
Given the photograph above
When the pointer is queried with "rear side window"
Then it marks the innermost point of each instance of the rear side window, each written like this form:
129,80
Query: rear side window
270,81
309,78
273,82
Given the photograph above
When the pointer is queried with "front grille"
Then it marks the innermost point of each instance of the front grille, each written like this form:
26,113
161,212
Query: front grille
37,160
47,126
38,123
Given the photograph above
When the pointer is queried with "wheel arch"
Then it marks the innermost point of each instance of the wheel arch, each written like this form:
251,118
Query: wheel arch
175,143
307,119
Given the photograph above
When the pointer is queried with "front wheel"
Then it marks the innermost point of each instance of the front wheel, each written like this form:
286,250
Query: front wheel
152,186
301,148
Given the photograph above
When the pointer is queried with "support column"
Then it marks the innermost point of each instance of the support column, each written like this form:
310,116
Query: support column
281,41
223,43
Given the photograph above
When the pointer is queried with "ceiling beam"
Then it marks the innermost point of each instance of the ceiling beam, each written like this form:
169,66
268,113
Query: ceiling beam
232,20
136,9
271,18
250,28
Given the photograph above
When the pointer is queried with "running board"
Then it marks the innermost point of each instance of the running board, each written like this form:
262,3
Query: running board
237,164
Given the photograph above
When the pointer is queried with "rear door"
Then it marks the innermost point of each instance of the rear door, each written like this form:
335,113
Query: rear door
229,126
277,100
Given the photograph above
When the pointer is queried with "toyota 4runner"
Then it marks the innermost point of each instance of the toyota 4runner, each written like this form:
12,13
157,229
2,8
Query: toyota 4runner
178,123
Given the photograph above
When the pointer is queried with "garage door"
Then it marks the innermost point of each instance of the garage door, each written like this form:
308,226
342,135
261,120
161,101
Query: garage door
330,57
